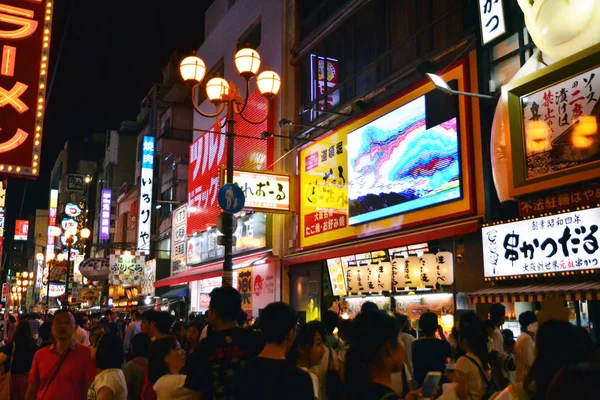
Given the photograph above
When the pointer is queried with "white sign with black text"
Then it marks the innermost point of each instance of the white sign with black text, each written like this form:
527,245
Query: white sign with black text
554,244
491,19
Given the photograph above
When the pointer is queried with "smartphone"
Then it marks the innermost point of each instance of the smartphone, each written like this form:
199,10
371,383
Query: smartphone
430,383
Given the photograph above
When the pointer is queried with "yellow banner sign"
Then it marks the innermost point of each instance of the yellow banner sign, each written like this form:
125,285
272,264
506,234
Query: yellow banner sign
266,192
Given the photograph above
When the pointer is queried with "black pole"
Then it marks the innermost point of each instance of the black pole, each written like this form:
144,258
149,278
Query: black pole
227,279
48,286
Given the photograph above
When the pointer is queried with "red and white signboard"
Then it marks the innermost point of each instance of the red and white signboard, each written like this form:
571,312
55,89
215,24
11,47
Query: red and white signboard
324,75
21,229
208,153
24,51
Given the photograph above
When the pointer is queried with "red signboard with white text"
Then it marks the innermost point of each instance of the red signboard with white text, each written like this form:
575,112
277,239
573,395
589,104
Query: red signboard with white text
21,229
24,51
208,153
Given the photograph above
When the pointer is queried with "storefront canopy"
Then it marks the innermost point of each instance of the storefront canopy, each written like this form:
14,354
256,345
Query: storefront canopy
176,293
386,242
537,292
213,270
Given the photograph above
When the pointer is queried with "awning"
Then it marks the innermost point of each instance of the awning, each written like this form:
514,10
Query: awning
214,269
176,293
386,242
530,293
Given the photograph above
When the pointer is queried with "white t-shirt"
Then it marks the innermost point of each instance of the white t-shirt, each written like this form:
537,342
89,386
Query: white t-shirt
408,340
111,378
320,370
476,386
170,387
81,336
524,355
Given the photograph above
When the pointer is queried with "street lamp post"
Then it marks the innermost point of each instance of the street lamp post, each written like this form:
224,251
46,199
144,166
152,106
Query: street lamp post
225,95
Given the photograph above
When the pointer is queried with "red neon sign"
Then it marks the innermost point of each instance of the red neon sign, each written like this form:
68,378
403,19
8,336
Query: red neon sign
25,28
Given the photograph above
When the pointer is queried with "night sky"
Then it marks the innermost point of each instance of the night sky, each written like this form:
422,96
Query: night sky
111,53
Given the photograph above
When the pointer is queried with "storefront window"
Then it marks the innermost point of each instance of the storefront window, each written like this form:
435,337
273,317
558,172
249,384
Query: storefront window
164,249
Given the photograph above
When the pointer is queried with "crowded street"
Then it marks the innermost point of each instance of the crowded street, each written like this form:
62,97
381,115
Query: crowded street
299,200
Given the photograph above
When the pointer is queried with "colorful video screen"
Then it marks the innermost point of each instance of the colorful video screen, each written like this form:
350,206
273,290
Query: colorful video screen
402,162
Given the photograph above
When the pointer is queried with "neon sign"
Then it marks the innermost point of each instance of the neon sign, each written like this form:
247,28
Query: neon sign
24,52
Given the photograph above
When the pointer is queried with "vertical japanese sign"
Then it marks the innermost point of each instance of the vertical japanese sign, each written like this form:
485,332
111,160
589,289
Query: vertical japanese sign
208,154
560,243
491,17
324,76
105,214
324,191
561,130
245,284
144,217
24,52
53,204
178,251
3,193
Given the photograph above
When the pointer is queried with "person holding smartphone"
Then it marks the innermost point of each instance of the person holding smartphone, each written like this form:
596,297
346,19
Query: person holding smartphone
374,354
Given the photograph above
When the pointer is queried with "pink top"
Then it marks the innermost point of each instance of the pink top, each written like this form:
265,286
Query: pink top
72,379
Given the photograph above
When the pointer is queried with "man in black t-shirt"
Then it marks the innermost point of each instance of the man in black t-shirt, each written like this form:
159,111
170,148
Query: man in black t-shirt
218,358
270,376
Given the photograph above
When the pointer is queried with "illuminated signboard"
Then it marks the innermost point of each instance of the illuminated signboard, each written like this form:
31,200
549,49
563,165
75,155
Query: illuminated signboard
3,193
72,210
178,253
105,214
324,73
51,223
401,165
21,229
144,217
491,18
1,223
207,155
561,243
266,192
24,53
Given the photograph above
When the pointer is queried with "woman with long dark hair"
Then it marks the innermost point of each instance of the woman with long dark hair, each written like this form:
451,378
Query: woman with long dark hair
109,383
558,344
308,351
472,374
17,356
165,363
374,354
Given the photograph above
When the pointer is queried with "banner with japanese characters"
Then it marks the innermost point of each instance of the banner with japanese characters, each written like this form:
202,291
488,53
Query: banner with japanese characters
146,182
126,269
580,196
559,243
208,153
178,237
245,285
24,55
267,192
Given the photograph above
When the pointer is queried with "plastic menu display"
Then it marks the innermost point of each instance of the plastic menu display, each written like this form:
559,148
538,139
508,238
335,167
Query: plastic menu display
336,275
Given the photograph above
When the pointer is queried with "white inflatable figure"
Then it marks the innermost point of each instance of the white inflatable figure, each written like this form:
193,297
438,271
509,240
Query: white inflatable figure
559,29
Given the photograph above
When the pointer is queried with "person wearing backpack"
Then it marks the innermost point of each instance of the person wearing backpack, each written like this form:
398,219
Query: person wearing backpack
472,376
136,370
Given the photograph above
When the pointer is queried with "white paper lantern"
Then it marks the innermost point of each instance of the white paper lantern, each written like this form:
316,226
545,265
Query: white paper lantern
383,277
350,275
428,269
413,265
362,277
398,280
445,268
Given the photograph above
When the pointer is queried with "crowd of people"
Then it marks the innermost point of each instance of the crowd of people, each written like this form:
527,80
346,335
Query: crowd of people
374,356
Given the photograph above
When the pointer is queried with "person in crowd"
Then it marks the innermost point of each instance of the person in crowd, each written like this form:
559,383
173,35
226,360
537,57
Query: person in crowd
81,336
270,376
9,327
242,318
368,306
577,381
46,334
192,339
34,324
95,335
111,323
407,339
64,370
497,316
133,329
525,344
374,354
180,332
17,356
147,319
219,357
428,352
136,370
308,352
109,383
344,335
160,325
557,344
94,320
165,362
472,374
331,320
